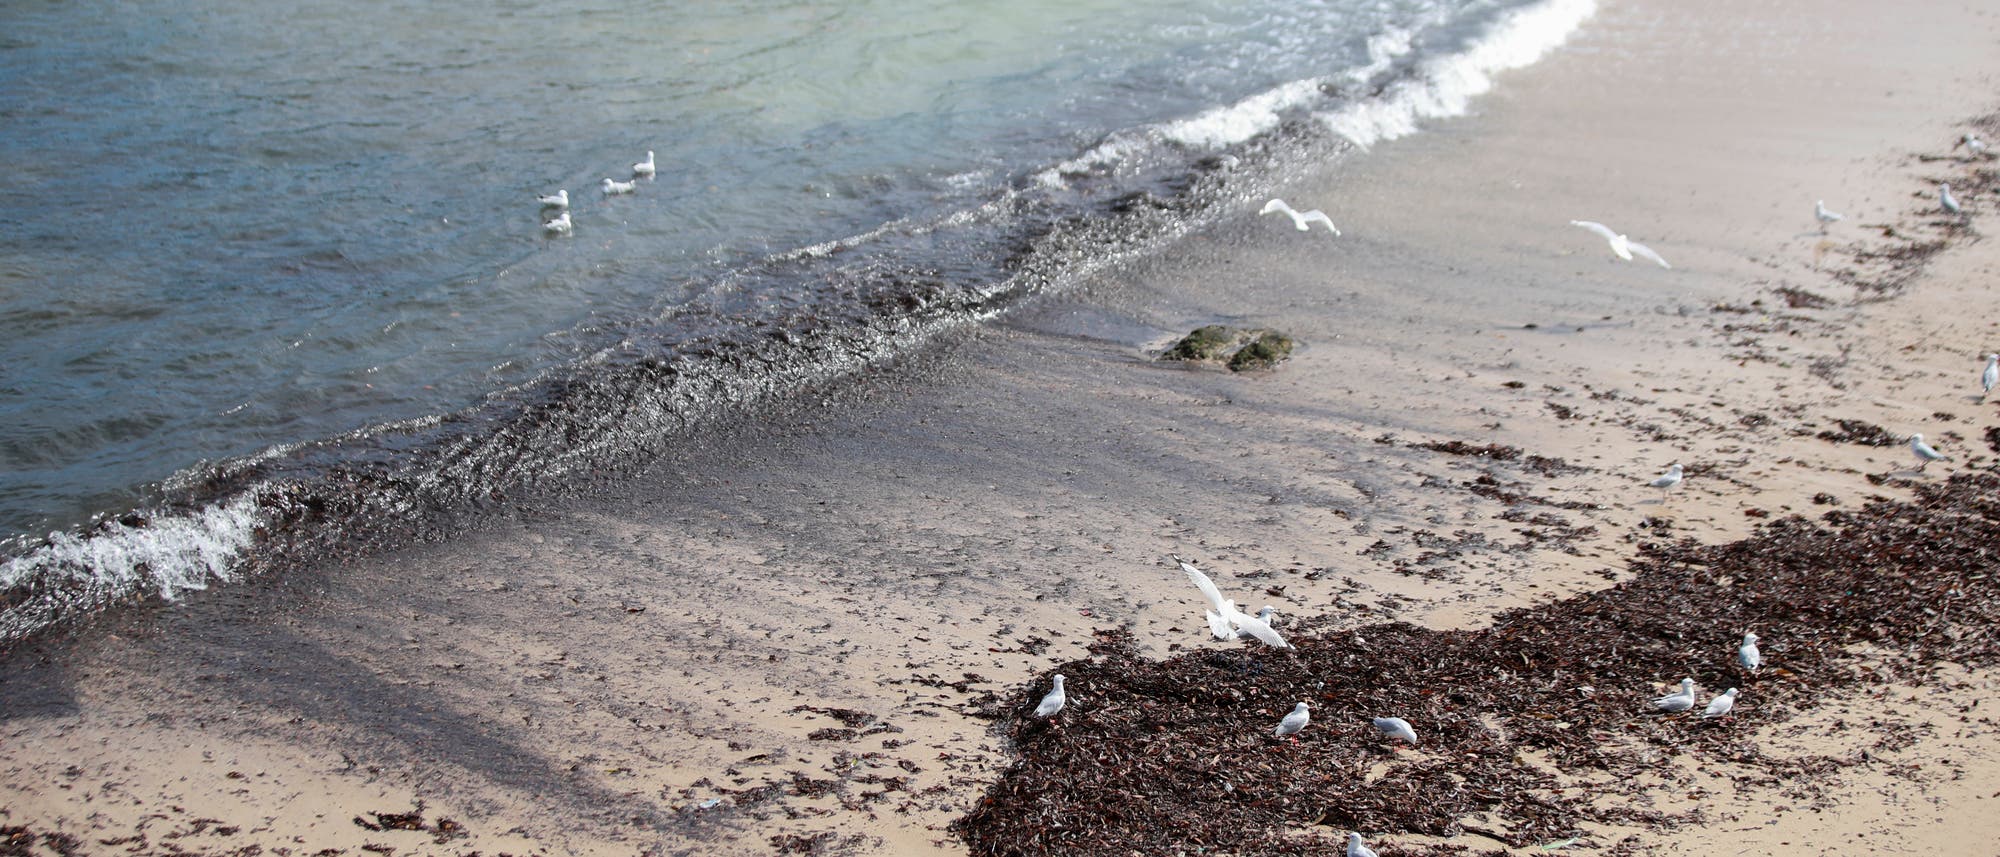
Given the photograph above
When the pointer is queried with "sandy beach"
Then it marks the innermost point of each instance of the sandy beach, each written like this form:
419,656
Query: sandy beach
812,630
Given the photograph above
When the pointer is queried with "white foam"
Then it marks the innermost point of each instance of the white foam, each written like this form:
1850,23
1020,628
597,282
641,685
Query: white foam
171,555
1445,86
1235,123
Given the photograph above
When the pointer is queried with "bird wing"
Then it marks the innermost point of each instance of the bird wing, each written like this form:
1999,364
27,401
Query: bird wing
1276,205
1647,252
1256,627
1218,624
1318,215
1207,588
1602,230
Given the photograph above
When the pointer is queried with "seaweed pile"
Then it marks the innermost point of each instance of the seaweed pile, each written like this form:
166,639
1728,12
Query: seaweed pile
1530,727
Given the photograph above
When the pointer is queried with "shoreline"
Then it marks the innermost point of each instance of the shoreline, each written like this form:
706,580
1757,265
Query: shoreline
777,640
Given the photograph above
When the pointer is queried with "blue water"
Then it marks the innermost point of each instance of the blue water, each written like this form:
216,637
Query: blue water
232,230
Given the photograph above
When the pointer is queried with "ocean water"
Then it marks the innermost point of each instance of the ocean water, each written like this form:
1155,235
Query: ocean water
272,275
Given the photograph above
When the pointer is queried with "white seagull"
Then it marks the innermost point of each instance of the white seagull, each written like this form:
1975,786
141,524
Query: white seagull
645,167
1747,654
1972,144
1949,202
1825,217
1991,376
558,226
1666,481
1924,451
1620,244
559,199
1224,620
1293,722
1356,849
1720,705
1300,219
1396,727
1053,702
1677,701
614,187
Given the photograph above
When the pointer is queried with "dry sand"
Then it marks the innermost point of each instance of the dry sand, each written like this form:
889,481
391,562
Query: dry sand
779,637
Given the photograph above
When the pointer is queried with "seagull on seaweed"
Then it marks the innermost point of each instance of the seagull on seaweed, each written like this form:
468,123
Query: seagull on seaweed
1825,217
558,226
1356,849
1293,722
1666,481
1053,702
1301,219
1720,705
1620,244
559,199
645,167
1223,617
1973,145
613,187
1397,728
1924,452
1681,701
1949,202
1989,377
1747,654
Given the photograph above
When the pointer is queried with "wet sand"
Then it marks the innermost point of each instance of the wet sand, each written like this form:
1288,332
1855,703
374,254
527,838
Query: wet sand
785,636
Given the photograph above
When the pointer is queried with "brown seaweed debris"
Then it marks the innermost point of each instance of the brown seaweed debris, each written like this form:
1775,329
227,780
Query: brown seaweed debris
1861,432
1175,756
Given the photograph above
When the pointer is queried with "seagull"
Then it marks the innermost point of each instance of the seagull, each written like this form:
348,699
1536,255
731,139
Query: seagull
1825,217
1747,654
1720,705
1620,244
1396,727
1666,481
1053,702
1300,219
1972,144
645,167
1677,701
1924,451
1293,722
1945,199
1991,376
612,187
1356,849
558,226
1224,616
559,199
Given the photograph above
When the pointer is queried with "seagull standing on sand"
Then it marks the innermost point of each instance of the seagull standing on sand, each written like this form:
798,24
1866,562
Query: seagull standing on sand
1223,615
1720,705
645,167
559,199
1989,377
1666,481
1053,702
1299,219
1677,701
612,188
1949,202
1397,728
558,226
1620,244
1293,722
1972,144
1747,654
1356,849
1825,217
1924,451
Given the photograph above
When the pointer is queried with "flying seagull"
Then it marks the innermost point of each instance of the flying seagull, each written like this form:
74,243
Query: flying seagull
1300,219
1620,244
1224,620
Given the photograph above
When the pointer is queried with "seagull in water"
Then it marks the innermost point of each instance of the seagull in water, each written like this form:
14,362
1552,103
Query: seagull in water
1949,202
1620,244
1356,849
1924,451
1825,217
558,226
1677,701
1397,728
1972,144
1747,654
1293,722
1053,702
1720,705
645,167
1301,219
1224,620
559,199
1989,377
1666,481
612,187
